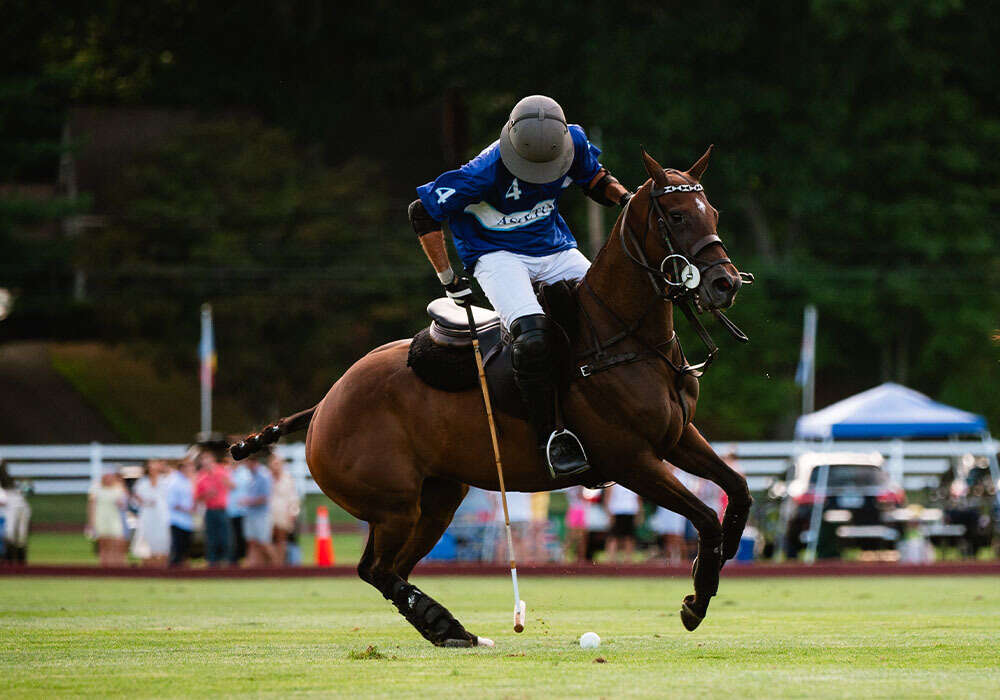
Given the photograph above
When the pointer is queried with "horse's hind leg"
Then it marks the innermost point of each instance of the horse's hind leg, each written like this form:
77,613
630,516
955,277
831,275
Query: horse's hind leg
653,481
439,499
694,455
430,618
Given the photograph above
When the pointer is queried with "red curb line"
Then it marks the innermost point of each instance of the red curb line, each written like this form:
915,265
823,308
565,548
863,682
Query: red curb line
474,569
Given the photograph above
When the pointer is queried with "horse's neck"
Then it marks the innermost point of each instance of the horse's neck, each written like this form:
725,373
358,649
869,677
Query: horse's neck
625,289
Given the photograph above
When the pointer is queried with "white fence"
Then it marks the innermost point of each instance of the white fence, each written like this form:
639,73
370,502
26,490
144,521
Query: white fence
70,469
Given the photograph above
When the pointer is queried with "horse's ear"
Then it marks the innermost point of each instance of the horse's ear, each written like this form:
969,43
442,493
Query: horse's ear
654,169
698,169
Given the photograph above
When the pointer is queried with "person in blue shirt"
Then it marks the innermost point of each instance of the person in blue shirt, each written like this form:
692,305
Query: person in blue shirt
180,505
256,503
503,211
235,510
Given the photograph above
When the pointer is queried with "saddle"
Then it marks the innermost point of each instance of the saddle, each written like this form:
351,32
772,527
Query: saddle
441,354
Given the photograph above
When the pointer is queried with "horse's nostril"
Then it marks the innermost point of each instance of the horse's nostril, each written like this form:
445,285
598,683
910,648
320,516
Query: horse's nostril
722,284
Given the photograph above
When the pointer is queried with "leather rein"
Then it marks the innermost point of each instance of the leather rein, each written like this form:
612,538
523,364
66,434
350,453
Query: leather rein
678,288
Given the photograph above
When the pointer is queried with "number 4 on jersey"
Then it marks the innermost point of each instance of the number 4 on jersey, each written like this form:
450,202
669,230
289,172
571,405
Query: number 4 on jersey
514,191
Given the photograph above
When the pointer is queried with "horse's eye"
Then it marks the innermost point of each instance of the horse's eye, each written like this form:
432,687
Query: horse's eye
676,217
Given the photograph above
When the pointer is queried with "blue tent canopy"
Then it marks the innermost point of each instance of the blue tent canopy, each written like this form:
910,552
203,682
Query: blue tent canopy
888,411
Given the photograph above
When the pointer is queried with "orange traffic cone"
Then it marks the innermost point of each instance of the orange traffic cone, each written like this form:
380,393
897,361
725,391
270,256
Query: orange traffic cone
324,542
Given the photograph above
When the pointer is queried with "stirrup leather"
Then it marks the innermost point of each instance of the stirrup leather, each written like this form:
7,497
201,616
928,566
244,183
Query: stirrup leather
567,443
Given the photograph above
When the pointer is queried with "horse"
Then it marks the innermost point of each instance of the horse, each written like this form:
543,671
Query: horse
401,455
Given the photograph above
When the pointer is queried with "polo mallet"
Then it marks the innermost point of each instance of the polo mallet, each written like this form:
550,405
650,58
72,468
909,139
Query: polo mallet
520,610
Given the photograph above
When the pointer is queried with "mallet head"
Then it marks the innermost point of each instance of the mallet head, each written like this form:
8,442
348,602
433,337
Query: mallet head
520,615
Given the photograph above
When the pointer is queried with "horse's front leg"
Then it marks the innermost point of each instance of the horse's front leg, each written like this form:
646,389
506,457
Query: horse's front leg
693,454
652,480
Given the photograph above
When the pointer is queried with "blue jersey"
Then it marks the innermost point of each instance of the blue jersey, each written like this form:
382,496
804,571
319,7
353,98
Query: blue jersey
489,209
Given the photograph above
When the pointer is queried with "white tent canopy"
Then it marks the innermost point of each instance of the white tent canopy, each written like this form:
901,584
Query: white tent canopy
887,411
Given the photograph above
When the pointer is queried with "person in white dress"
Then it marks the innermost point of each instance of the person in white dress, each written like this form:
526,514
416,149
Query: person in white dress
107,500
151,542
285,505
16,519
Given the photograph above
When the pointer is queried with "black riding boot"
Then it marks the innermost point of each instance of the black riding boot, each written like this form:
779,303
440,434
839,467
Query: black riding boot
532,359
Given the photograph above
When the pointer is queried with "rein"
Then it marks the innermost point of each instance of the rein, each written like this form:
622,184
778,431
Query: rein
681,290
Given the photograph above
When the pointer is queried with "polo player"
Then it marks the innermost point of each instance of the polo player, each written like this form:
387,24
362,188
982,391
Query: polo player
503,211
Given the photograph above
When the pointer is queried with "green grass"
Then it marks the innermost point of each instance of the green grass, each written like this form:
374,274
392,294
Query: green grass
75,549
63,508
808,638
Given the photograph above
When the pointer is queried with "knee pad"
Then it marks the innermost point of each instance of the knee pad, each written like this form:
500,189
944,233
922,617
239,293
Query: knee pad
530,351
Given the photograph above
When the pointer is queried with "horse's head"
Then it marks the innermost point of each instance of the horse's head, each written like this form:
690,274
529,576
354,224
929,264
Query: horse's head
679,234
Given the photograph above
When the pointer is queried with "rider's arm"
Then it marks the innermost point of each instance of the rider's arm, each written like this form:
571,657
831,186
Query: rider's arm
605,189
431,240
448,195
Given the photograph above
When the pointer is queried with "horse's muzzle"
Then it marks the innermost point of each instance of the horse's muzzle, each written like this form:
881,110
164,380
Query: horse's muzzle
719,288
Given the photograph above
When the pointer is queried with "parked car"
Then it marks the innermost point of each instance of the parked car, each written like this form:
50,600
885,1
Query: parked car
857,503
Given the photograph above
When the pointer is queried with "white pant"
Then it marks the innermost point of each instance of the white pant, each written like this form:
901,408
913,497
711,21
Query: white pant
507,279
18,517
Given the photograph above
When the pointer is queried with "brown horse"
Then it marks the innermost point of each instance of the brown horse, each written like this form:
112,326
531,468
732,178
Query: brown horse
401,455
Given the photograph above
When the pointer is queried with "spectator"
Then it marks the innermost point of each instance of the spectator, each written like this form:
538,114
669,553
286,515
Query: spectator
538,532
16,520
597,521
623,507
239,476
211,490
519,510
104,517
180,504
576,524
285,504
151,542
257,515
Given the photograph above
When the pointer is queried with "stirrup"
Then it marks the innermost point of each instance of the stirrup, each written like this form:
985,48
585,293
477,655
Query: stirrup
564,454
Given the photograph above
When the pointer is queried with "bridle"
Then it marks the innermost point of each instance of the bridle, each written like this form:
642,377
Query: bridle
683,284
675,280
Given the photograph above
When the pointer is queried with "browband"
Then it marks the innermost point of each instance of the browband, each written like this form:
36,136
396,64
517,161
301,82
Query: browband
667,189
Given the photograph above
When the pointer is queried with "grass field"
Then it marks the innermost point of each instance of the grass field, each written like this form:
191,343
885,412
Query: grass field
764,638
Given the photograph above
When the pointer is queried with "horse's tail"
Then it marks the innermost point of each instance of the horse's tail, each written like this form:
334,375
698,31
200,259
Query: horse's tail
252,444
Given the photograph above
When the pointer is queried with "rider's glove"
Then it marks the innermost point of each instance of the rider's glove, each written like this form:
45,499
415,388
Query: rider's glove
459,291
623,200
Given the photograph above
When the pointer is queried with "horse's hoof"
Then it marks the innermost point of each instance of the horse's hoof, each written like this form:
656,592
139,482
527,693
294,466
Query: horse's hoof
689,617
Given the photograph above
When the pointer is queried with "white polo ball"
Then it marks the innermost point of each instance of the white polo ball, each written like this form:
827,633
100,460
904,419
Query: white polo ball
590,640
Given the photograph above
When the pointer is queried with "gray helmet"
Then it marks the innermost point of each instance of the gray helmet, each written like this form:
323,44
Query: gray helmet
535,143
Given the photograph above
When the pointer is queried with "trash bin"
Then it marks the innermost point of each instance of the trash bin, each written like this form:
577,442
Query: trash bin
745,552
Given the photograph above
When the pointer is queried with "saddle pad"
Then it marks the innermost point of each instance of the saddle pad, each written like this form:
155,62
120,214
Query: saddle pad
442,367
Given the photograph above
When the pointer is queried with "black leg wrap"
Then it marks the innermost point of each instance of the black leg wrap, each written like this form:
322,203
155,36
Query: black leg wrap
734,521
429,617
705,570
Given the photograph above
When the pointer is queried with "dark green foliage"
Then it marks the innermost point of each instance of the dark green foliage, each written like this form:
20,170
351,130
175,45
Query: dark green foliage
294,257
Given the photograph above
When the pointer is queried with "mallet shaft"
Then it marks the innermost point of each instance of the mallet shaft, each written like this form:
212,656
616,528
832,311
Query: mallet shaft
518,624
